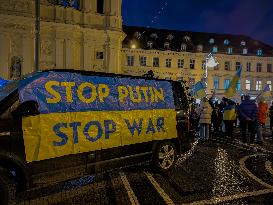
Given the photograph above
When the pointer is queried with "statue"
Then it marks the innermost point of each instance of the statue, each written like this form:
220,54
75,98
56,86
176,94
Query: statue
16,69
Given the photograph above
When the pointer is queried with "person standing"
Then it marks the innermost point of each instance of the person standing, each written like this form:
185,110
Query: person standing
271,118
205,119
248,115
229,117
262,114
216,119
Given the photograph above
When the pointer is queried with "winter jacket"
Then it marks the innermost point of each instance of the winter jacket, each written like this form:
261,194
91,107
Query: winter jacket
262,112
271,112
248,109
205,116
229,113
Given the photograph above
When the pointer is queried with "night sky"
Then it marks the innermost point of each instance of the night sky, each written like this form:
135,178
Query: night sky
253,18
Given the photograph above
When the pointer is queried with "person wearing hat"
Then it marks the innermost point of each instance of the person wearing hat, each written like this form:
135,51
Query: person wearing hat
205,119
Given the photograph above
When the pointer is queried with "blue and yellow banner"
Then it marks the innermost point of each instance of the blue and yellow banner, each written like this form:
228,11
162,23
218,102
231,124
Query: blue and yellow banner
86,113
231,91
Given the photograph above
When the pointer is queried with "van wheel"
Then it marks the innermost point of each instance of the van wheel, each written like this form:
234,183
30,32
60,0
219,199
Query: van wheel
7,188
165,156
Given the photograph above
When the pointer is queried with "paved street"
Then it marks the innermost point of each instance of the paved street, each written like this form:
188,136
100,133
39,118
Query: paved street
218,171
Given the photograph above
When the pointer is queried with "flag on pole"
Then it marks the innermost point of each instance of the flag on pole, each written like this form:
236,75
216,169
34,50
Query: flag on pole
198,90
231,91
265,92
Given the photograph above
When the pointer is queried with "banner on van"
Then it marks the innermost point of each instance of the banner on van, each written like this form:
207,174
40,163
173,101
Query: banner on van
86,113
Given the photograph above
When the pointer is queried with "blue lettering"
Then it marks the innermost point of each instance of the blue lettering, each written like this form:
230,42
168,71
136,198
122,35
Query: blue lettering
60,134
160,124
150,127
75,126
136,126
86,129
108,131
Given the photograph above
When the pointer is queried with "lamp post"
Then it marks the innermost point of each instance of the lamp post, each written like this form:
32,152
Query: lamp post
37,34
210,63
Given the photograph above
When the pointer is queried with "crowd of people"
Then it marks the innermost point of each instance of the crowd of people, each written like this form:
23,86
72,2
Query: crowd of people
218,118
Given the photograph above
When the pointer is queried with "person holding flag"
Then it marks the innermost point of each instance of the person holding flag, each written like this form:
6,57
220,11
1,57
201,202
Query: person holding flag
231,91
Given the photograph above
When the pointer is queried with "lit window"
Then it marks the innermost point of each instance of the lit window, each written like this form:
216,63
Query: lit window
259,67
192,63
99,55
191,82
183,47
156,62
214,49
229,50
270,84
248,85
180,63
211,41
216,83
226,83
258,85
248,67
259,52
167,45
238,85
244,51
227,65
170,37
269,68
154,36
238,65
168,62
143,60
199,48
130,60
203,65
150,44
226,42
187,38
243,43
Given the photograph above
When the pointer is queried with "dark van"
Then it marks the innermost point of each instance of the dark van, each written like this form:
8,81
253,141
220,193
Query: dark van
63,124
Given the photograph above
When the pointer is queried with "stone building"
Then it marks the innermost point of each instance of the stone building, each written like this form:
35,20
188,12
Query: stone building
88,35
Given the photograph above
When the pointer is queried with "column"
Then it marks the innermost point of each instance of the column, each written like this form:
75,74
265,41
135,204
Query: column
60,53
93,5
28,54
86,56
4,53
68,54
86,5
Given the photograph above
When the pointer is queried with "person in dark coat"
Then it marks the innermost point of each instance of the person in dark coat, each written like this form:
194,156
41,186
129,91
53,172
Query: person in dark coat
216,118
248,111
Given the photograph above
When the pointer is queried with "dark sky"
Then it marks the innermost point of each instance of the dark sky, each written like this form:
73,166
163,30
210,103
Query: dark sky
253,18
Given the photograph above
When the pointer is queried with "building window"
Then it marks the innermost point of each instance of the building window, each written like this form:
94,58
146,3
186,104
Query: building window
180,63
258,85
191,82
99,55
192,63
130,60
229,50
216,83
244,51
226,83
269,68
270,84
214,49
199,48
168,62
183,47
226,42
211,41
238,85
100,4
74,4
243,43
248,85
238,65
248,67
203,65
227,65
143,60
150,44
179,79
167,45
259,67
156,62
259,52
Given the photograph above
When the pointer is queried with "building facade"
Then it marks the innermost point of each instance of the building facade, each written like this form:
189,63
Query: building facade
88,35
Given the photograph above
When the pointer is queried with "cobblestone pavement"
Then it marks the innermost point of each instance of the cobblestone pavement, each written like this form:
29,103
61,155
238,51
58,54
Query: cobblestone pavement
218,171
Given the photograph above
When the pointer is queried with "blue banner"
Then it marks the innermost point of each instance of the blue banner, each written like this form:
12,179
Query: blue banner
58,92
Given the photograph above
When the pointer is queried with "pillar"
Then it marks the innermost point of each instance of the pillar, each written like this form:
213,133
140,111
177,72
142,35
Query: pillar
68,54
60,53
4,56
28,54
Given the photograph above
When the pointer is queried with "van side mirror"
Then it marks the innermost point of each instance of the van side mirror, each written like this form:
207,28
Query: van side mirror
28,108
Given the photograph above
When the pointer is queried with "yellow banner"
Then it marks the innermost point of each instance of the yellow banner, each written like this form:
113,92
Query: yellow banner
58,134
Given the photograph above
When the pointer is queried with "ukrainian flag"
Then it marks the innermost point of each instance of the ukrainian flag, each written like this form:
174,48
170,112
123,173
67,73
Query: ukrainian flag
198,90
231,91
265,93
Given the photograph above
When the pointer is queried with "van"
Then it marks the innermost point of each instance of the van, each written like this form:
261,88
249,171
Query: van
58,125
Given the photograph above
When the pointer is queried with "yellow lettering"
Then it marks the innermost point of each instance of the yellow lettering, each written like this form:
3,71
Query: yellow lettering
122,93
159,94
132,94
93,92
68,89
152,94
145,90
103,91
56,96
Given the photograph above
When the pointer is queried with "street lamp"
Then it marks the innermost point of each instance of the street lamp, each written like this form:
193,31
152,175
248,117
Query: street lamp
210,63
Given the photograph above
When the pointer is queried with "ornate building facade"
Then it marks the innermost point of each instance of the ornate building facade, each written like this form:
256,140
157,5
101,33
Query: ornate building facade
88,35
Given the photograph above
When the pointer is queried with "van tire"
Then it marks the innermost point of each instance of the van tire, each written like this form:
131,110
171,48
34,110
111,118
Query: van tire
7,188
165,156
